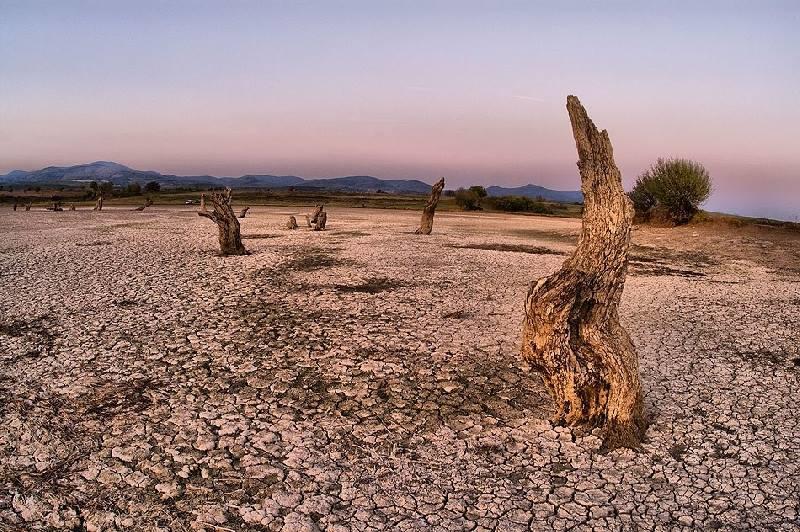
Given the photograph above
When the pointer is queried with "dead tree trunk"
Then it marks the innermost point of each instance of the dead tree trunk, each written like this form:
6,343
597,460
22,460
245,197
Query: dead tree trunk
291,223
322,219
230,239
98,205
147,203
572,336
426,225
244,212
311,219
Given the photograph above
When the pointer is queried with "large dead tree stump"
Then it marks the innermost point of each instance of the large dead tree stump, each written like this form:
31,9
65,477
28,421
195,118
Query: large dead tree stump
572,335
243,212
291,223
98,205
426,225
230,238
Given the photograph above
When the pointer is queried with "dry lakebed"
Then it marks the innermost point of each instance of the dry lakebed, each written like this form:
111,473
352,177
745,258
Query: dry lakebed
366,378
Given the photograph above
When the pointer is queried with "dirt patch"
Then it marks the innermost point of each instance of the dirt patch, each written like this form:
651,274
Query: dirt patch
313,259
259,236
373,285
516,248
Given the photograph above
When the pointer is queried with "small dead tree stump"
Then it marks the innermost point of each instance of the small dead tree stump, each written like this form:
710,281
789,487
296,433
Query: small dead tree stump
243,213
28,206
230,238
311,219
322,219
572,335
426,225
98,205
147,203
291,223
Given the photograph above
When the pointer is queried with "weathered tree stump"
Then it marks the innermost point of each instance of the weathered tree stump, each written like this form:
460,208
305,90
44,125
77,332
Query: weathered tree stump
230,238
291,223
311,219
147,203
426,225
572,336
322,219
28,206
98,205
243,213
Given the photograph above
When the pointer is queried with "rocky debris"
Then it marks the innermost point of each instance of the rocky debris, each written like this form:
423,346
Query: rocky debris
339,382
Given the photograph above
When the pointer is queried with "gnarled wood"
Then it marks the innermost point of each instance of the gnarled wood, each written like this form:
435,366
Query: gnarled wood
572,336
98,205
319,223
291,223
230,238
426,225
311,219
243,212
147,203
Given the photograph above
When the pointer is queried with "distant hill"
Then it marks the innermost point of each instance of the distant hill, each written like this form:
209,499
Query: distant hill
121,175
533,191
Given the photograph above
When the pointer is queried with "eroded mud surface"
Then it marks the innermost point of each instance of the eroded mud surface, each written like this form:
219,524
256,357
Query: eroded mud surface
367,378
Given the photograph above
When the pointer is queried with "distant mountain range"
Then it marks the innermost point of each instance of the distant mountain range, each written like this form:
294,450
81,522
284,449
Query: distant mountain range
121,175
534,191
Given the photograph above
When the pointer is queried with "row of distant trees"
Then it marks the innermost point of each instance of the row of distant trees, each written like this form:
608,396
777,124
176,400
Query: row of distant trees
671,191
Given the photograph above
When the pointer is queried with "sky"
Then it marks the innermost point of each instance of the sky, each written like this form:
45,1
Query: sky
471,90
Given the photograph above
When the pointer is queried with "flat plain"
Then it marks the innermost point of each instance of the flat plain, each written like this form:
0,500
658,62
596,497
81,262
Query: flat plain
367,378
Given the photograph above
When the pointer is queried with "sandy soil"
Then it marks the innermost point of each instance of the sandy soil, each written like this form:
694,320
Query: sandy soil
367,378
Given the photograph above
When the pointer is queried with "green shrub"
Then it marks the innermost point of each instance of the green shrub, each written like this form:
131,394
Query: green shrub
520,204
468,199
675,186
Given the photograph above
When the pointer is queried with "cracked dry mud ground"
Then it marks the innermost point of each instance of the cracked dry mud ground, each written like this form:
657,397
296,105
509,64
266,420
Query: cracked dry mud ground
366,378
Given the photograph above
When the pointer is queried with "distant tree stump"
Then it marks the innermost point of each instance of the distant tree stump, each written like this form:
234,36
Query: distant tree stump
426,225
230,238
311,219
28,206
571,335
98,205
322,219
15,205
72,206
147,203
291,223
243,213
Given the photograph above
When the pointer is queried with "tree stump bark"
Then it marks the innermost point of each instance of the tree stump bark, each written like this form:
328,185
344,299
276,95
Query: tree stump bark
230,238
98,205
291,223
243,213
572,335
426,225
322,219
311,219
